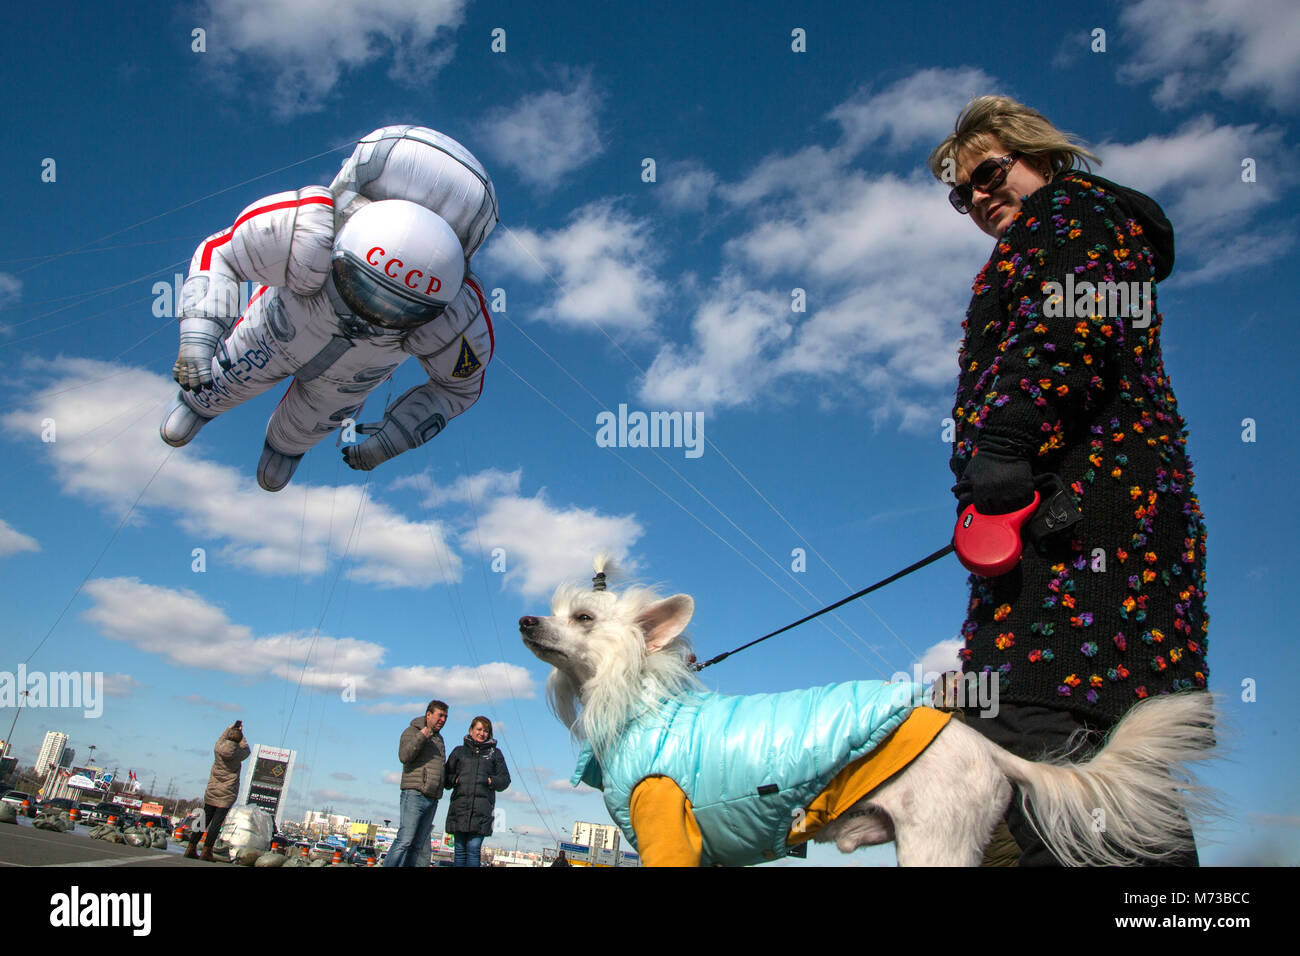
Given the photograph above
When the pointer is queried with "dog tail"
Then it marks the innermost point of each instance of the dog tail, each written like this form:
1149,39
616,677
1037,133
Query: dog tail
1134,798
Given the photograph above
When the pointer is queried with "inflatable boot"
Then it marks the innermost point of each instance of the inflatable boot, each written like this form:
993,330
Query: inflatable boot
181,424
275,469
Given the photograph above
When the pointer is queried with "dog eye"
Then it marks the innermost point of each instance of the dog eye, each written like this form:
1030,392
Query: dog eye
584,617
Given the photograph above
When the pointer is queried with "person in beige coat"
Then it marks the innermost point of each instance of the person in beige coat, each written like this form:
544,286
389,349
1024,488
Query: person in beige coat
223,784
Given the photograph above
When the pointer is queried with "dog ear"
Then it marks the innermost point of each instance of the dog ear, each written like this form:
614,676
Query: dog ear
664,620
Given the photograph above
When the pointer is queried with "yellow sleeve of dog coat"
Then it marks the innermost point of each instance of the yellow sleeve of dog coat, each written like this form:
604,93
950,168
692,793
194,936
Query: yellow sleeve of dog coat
666,831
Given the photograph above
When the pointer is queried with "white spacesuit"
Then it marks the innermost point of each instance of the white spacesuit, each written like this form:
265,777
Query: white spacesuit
356,278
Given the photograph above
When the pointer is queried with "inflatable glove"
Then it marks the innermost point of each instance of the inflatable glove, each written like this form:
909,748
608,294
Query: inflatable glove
409,422
209,306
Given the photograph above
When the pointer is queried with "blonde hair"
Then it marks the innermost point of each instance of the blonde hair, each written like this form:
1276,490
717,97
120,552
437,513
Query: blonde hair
988,122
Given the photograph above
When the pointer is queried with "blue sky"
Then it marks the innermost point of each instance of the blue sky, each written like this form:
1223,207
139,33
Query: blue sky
774,170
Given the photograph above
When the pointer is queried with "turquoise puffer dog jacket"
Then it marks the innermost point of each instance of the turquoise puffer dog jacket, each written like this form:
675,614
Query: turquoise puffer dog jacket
747,764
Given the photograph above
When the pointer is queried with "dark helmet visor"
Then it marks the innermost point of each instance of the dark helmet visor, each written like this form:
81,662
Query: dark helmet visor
376,298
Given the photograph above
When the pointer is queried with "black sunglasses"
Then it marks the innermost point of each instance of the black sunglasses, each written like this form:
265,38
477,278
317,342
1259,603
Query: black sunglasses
985,177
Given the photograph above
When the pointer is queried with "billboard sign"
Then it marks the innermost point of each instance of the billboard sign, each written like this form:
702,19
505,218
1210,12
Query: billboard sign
90,778
267,784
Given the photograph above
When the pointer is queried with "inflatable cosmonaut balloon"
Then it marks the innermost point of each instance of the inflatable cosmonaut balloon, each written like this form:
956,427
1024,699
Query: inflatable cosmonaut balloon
354,279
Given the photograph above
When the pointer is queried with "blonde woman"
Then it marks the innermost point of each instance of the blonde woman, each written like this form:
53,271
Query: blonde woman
1061,372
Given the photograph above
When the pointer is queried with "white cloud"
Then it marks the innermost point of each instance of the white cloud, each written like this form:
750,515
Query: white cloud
885,265
332,796
96,458
601,263
461,685
121,685
545,136
11,288
411,708
391,776
685,186
546,546
306,46
1196,172
942,657
13,541
864,252
528,830
919,109
864,248
464,489
1197,46
185,630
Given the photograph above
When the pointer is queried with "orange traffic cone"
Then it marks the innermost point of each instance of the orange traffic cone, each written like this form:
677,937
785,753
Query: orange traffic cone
337,858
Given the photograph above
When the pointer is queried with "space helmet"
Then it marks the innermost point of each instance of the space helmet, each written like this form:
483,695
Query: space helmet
397,264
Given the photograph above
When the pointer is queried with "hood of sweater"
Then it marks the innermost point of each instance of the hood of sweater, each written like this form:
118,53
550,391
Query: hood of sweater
1155,225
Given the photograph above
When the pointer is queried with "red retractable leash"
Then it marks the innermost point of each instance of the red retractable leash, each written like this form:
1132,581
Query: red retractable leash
989,545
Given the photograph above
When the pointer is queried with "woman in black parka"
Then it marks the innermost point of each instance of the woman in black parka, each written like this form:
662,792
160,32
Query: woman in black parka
1057,377
475,773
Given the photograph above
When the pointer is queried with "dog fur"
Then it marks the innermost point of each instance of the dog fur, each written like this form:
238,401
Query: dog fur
617,654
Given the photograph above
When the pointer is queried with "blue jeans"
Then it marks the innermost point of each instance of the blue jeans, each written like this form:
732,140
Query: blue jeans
465,852
411,848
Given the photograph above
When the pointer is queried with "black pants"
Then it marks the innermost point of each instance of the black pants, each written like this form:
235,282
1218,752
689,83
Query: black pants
213,817
1032,732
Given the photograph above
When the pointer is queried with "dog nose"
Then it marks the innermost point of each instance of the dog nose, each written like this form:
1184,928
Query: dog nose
527,622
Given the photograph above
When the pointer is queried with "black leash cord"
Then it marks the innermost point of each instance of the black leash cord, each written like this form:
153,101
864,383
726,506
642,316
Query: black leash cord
930,559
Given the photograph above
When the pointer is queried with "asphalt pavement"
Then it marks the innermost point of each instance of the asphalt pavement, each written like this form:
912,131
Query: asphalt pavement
24,845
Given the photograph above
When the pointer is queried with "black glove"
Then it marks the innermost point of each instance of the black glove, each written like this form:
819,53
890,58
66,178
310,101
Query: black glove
995,482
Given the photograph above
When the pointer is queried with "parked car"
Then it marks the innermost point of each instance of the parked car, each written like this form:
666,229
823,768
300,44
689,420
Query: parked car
102,811
84,810
16,797
360,854
160,823
57,803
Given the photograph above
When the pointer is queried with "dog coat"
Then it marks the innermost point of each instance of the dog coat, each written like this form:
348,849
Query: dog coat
749,765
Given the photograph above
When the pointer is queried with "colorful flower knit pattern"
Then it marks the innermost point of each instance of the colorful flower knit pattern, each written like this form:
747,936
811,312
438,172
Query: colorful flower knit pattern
1113,609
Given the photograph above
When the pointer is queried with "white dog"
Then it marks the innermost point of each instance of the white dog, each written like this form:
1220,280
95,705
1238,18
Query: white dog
623,683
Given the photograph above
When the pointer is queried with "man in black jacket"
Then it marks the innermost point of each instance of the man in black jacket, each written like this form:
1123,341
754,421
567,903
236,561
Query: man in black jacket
423,757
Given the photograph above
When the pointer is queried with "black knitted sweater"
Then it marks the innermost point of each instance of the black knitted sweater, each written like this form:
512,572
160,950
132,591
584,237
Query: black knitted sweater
1111,610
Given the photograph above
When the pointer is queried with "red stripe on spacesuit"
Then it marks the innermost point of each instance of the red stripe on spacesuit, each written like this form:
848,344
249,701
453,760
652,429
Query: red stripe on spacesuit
206,261
253,298
492,338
